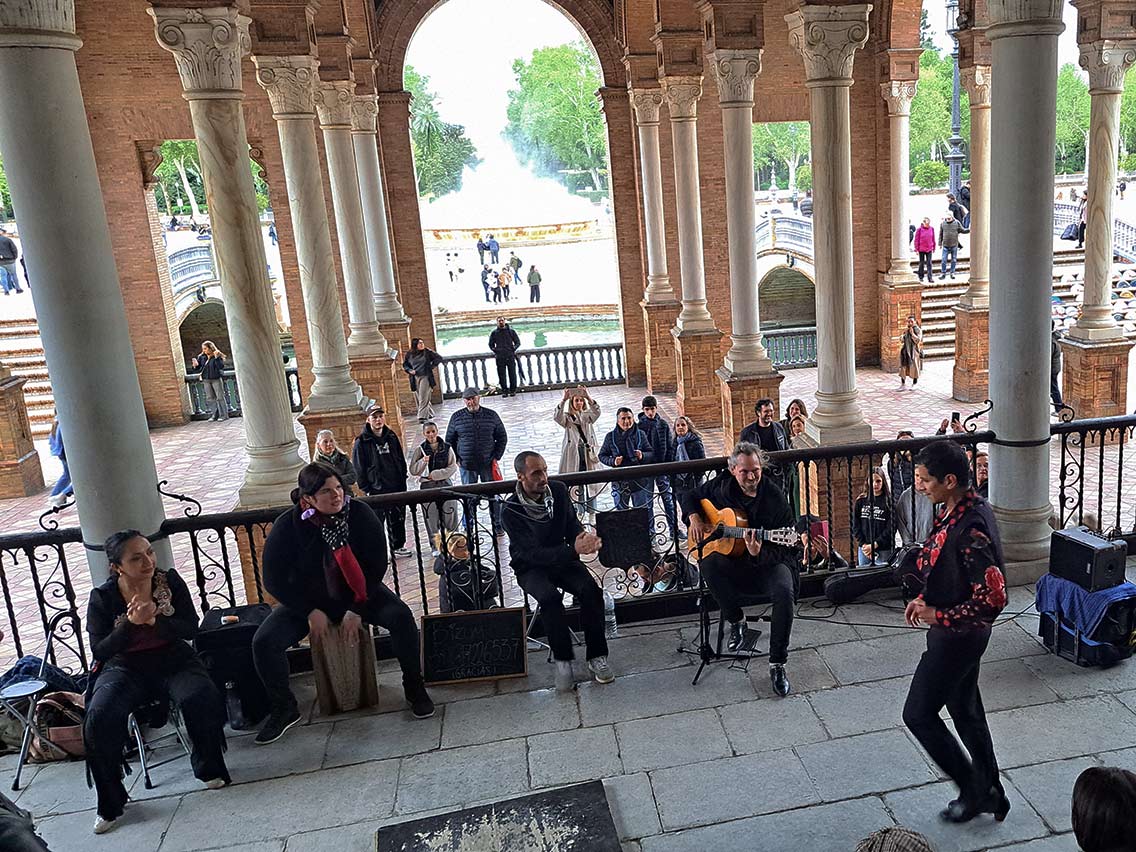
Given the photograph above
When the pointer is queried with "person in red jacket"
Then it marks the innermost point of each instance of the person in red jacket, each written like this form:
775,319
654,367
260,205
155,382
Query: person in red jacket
925,244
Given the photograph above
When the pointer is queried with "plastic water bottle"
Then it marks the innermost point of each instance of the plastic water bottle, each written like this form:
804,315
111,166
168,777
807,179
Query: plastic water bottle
611,627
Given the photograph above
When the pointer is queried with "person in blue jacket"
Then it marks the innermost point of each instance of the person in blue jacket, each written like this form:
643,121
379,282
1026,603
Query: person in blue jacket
62,488
627,445
658,433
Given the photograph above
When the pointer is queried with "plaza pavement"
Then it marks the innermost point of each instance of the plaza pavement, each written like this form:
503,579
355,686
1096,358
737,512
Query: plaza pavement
722,766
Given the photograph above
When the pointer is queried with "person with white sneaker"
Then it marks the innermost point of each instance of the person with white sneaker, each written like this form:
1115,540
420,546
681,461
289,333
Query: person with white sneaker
546,542
140,623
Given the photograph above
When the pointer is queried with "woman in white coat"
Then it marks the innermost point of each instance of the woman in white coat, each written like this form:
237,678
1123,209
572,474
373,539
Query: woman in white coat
577,413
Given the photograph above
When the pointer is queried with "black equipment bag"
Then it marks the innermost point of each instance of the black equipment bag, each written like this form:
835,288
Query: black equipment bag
226,650
455,587
1112,641
902,571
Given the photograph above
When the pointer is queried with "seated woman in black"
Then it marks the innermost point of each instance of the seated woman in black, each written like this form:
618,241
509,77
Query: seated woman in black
140,623
324,561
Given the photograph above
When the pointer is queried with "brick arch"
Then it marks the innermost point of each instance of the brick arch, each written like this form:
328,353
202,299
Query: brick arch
895,23
398,21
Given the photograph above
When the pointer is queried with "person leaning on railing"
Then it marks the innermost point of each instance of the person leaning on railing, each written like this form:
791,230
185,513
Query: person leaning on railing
140,623
324,561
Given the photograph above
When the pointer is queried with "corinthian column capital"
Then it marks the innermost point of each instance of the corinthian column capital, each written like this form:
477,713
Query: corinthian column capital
290,84
682,94
735,71
976,80
899,94
827,37
365,114
335,101
646,103
207,45
1106,62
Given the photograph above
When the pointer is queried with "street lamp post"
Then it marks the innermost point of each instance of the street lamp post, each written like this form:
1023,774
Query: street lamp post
955,156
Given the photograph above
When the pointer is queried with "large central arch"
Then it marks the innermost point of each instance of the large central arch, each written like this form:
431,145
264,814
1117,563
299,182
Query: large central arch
395,26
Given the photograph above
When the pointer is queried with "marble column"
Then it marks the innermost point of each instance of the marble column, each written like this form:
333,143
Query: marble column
971,378
827,38
900,292
289,82
696,339
334,103
365,138
1023,118
207,46
51,170
747,373
660,308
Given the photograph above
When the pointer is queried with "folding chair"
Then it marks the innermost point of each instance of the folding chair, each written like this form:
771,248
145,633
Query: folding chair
530,641
32,691
144,747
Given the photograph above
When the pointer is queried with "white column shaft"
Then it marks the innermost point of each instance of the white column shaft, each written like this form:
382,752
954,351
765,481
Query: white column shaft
387,306
51,170
658,279
976,80
1023,131
900,163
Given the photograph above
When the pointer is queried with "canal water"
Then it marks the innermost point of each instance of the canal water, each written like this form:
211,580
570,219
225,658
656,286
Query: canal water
534,334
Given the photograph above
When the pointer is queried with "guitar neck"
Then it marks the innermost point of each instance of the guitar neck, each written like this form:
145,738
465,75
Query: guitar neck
740,532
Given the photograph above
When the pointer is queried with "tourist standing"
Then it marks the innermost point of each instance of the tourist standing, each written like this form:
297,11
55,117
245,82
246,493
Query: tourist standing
272,233
658,433
771,436
494,249
1055,369
481,249
795,408
505,281
515,266
964,197
911,353
577,414
949,230
381,467
688,447
964,591
959,211
504,343
62,488
328,452
420,364
434,463
211,364
486,275
534,285
925,246
8,255
479,439
624,446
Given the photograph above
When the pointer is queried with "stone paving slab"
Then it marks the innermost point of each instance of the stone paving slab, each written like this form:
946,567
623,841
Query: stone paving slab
674,740
919,808
631,800
282,807
869,763
820,828
380,737
57,788
1054,843
889,656
391,695
808,672
1072,681
646,652
1060,730
1049,788
770,724
461,776
1124,758
141,829
1013,683
861,708
640,696
1128,699
568,757
731,788
501,717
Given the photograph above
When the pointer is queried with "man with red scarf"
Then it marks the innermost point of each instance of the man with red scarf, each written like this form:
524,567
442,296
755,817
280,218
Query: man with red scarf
964,590
324,561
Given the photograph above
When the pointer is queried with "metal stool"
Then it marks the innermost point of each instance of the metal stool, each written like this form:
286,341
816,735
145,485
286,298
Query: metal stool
144,746
535,644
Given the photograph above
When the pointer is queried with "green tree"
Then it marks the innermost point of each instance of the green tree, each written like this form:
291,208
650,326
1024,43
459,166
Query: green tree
5,193
1072,119
931,174
555,122
441,150
180,162
805,177
781,143
1128,113
926,40
931,109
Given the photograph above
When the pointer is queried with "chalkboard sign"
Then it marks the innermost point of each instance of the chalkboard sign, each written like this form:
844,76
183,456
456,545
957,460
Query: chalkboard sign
481,644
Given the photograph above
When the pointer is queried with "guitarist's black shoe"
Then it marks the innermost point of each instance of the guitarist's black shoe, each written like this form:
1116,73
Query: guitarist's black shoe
737,635
779,678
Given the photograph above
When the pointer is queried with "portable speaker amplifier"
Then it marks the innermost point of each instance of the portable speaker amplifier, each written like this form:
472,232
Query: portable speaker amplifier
1087,559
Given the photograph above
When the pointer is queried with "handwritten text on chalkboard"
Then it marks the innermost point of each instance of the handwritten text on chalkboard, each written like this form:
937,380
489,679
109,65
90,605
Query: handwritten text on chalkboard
474,645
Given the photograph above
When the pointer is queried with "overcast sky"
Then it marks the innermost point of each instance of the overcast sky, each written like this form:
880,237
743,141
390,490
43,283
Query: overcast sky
467,48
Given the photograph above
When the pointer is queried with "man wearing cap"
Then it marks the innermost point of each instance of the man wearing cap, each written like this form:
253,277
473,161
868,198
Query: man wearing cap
381,467
478,438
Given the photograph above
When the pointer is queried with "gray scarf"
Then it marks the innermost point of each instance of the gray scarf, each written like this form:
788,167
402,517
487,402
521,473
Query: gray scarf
538,510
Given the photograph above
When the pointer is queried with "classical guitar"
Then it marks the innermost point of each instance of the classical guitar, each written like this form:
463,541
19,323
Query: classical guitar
729,530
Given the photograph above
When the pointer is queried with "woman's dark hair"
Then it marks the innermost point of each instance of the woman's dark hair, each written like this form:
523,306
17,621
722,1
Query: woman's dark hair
414,344
943,458
311,479
115,545
1104,809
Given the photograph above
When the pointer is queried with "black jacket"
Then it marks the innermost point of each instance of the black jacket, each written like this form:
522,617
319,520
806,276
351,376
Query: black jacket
533,543
478,437
109,643
423,363
341,464
767,510
780,436
967,583
873,523
659,435
295,561
210,368
8,250
379,461
618,443
504,343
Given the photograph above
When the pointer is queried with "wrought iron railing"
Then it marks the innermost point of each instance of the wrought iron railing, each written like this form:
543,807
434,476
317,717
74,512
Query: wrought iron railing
538,369
202,409
791,347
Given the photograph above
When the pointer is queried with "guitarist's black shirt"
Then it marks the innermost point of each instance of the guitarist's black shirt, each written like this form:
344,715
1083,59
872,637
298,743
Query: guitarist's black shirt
767,510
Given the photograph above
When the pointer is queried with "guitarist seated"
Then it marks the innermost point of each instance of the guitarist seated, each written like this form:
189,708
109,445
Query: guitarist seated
763,568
